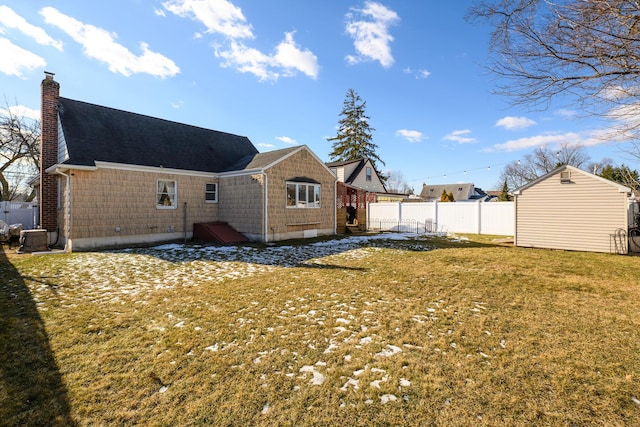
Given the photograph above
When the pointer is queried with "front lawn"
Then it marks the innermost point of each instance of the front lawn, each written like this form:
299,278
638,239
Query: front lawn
356,331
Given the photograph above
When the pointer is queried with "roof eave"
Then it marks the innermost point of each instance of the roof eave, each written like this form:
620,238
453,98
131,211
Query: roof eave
62,167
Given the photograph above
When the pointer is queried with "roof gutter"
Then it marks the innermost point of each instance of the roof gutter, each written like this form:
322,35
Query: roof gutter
58,168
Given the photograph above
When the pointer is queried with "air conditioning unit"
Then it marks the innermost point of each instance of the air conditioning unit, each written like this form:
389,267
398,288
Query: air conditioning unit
33,241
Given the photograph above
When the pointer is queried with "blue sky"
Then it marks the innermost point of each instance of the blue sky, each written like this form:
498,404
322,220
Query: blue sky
278,71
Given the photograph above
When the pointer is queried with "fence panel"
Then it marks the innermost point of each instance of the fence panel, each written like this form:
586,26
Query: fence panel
498,218
459,217
18,213
424,212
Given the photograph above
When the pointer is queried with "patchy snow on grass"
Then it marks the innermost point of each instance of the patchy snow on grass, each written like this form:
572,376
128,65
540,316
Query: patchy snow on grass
318,378
389,351
133,273
350,341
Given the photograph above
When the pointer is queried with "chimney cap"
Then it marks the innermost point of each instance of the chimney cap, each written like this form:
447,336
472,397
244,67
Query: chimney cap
49,74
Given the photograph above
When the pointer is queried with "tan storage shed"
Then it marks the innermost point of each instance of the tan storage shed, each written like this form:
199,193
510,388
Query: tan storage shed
571,209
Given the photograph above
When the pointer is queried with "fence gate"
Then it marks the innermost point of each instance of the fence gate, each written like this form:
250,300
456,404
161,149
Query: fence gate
19,213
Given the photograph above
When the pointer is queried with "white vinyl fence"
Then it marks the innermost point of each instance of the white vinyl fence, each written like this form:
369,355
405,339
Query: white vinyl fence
19,213
459,217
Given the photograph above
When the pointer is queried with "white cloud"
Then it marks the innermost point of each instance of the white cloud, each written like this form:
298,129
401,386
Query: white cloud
246,60
460,136
159,12
565,113
419,73
219,16
10,19
22,111
410,135
538,141
513,123
289,57
16,60
423,74
287,140
370,32
264,145
556,139
100,44
286,60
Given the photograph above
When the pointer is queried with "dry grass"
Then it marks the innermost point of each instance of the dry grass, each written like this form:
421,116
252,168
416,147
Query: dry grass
385,334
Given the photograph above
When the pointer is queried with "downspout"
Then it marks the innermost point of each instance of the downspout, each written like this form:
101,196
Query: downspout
335,207
515,220
184,221
266,207
67,209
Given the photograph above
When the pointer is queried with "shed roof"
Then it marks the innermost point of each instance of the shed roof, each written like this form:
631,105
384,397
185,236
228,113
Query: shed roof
621,188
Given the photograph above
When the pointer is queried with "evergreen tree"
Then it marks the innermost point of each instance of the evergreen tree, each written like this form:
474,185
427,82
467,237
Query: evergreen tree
354,139
444,197
450,197
622,174
504,193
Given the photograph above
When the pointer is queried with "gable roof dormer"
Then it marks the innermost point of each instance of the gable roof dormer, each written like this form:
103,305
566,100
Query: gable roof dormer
358,173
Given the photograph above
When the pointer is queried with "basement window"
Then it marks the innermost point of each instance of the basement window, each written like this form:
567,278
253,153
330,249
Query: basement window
166,194
211,193
303,195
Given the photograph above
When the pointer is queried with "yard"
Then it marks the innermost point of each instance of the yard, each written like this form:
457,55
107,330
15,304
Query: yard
386,330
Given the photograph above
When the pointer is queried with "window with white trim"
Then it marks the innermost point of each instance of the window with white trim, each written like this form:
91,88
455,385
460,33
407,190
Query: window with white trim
166,194
303,195
368,171
211,193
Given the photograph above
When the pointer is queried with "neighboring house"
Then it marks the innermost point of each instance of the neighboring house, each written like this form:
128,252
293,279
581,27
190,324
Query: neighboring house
571,209
358,183
461,192
358,173
115,178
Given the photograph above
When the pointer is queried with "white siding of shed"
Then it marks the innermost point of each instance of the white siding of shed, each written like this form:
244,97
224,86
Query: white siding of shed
580,215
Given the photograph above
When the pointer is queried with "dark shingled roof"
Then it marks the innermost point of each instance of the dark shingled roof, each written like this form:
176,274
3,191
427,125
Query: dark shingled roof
95,133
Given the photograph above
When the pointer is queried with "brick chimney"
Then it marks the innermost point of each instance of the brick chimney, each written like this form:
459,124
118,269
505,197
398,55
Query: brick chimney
50,90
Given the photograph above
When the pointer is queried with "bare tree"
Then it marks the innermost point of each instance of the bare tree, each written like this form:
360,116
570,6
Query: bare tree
583,50
542,161
19,153
396,183
597,167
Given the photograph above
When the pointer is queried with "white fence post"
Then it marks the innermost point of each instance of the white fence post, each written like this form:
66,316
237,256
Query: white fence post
435,214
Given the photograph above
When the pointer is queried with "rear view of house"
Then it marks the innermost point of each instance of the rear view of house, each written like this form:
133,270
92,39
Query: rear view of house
116,178
573,210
